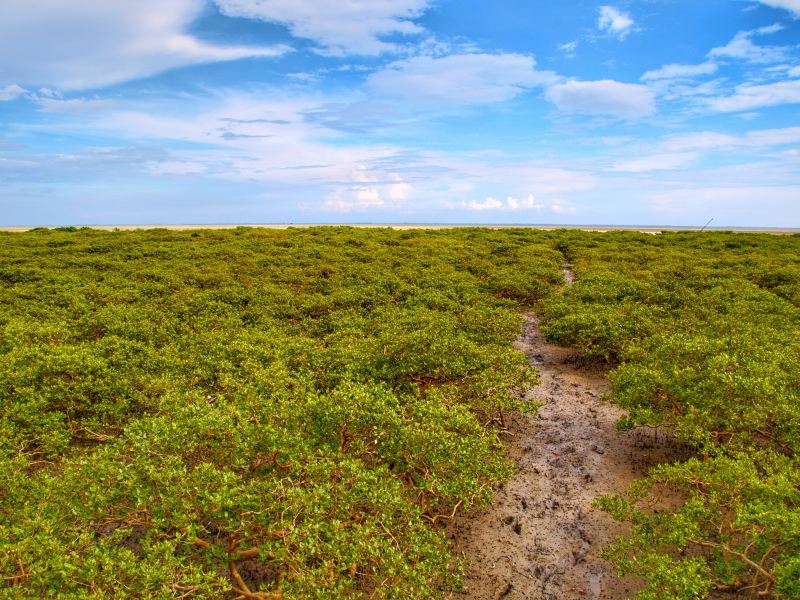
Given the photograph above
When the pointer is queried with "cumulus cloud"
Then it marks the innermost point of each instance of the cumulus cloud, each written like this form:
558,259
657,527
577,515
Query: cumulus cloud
459,78
793,6
742,47
352,27
488,204
613,21
366,197
10,92
749,97
510,203
675,71
79,45
604,97
369,188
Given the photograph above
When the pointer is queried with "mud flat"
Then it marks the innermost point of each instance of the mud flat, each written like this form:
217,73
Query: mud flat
540,538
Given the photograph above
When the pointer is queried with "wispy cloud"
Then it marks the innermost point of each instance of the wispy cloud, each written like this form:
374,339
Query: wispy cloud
71,105
340,28
756,139
793,6
683,151
459,79
731,201
10,92
394,109
605,97
676,71
742,47
102,43
569,48
749,97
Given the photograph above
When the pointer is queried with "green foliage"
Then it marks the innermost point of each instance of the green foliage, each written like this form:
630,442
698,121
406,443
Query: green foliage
704,330
185,414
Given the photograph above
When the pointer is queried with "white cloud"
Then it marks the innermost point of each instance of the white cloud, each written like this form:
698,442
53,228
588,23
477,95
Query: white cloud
773,137
516,205
79,45
748,97
488,204
59,105
510,203
785,70
690,91
756,140
513,204
678,151
369,189
351,27
10,92
459,78
569,48
768,29
741,47
605,97
251,138
656,162
793,6
674,71
615,22
677,154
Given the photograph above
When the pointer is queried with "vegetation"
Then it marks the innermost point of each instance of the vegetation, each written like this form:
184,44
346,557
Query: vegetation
253,413
704,331
259,413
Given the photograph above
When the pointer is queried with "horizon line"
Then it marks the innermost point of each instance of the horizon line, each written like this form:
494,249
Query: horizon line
405,225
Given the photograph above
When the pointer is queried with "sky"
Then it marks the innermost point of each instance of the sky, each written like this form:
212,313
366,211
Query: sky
634,112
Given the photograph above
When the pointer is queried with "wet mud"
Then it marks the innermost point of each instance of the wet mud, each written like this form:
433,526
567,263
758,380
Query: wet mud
540,538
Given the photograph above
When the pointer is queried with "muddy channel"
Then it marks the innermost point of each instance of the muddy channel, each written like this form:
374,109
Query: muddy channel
540,538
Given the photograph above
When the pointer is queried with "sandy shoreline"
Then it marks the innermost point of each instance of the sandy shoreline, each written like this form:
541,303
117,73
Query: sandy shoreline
596,228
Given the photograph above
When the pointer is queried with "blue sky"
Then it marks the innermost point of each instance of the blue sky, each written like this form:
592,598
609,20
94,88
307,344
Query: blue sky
461,111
